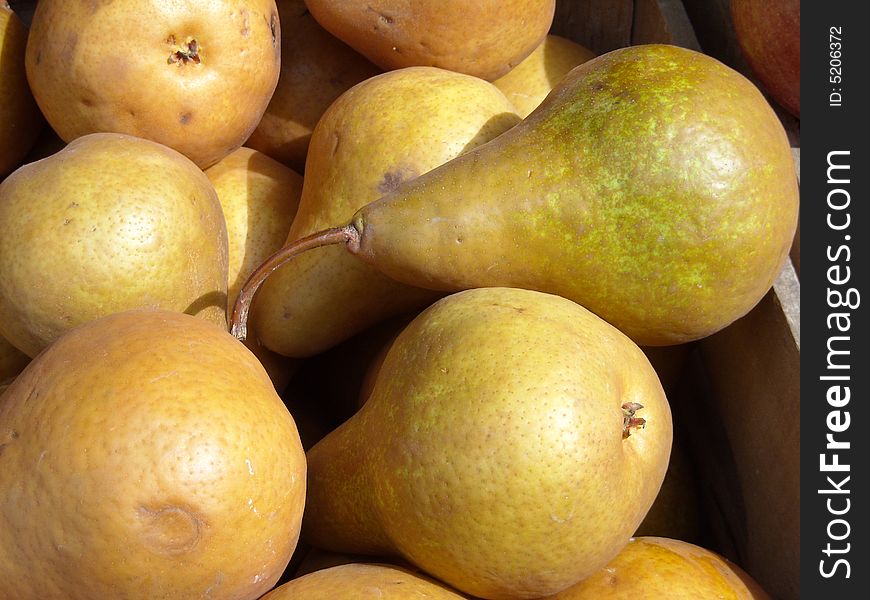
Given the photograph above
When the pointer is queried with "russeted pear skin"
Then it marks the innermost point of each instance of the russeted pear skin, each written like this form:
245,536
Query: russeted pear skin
655,186
493,452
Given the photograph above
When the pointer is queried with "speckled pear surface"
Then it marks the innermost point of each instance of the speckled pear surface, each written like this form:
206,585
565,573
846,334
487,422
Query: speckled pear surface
492,451
655,186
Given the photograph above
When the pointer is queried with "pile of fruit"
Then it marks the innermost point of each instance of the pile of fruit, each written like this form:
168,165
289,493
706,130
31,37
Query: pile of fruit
351,299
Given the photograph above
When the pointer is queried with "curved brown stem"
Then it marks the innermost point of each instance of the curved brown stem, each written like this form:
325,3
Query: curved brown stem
239,320
629,421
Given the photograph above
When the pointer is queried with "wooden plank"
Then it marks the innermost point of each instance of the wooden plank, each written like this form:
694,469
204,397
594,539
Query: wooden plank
754,372
600,25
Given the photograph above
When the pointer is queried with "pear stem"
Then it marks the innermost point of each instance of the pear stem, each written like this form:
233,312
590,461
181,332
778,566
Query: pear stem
337,235
629,421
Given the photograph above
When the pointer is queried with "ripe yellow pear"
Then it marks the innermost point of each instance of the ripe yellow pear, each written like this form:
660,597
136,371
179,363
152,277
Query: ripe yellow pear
146,455
339,397
528,83
20,119
109,223
316,68
259,197
363,582
484,38
655,567
384,131
511,445
195,76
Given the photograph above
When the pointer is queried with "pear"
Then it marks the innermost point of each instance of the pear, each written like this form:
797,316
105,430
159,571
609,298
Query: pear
656,567
484,38
655,186
259,197
316,68
769,36
382,132
363,582
109,223
146,455
528,83
511,445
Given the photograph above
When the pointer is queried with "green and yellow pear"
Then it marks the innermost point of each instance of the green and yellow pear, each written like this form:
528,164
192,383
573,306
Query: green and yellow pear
511,445
382,132
110,223
655,186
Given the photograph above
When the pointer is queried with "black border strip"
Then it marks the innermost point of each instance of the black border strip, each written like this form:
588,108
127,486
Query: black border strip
834,371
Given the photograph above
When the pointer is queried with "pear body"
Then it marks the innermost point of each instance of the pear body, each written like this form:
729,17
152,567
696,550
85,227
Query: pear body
259,197
654,185
197,80
484,38
655,567
146,455
384,131
110,223
491,452
528,83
